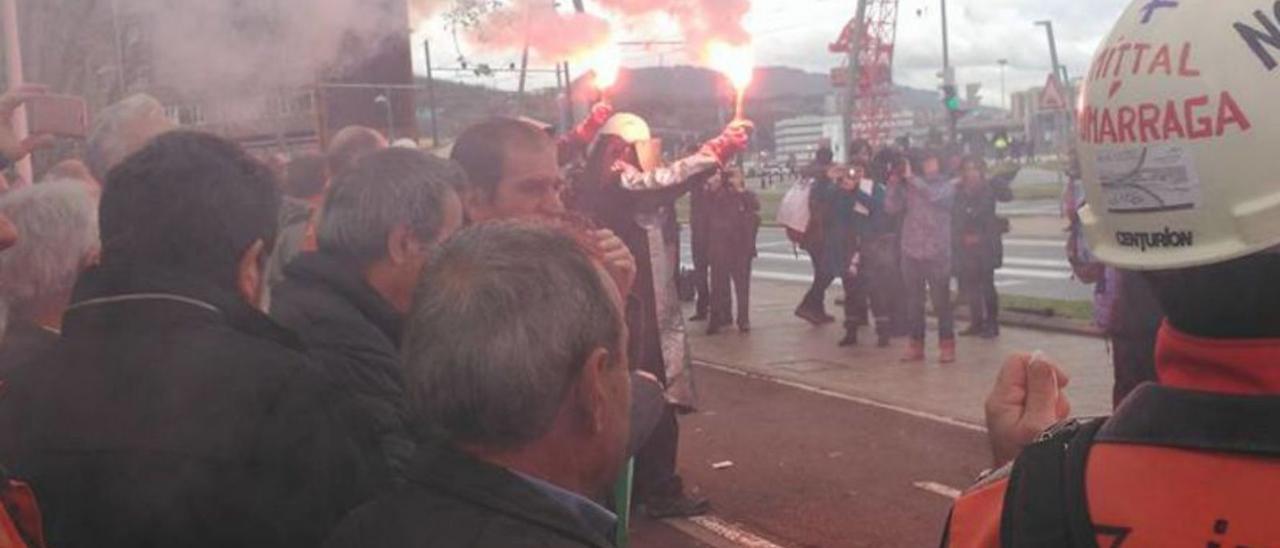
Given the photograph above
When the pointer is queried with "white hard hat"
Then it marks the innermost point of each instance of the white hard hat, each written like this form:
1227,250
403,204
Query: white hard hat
628,127
1178,132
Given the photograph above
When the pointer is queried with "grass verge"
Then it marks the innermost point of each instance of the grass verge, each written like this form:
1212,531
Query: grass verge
1055,308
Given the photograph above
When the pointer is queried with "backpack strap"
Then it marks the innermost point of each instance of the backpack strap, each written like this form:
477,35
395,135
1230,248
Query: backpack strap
1045,504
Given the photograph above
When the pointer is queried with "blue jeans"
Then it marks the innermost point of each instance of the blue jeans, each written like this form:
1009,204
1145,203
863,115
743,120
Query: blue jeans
930,277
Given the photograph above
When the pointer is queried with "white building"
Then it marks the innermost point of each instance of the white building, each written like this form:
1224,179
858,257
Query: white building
798,138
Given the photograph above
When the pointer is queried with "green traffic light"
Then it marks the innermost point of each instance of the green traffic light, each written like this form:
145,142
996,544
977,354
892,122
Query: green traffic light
953,103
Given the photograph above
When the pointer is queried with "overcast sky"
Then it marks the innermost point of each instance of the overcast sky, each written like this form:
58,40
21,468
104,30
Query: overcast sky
796,33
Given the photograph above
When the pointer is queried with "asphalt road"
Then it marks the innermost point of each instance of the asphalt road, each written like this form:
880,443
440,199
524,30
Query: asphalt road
1033,266
811,470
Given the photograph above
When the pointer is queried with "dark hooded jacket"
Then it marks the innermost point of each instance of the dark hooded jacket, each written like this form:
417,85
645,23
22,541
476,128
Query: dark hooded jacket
171,413
353,336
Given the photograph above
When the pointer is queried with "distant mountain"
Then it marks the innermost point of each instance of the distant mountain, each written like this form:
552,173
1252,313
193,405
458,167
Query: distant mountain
681,83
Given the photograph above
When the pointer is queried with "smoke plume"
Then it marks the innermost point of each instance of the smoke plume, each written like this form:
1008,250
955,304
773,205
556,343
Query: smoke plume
701,21
549,33
553,35
217,47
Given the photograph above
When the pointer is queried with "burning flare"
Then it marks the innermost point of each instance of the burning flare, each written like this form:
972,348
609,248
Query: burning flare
606,63
738,63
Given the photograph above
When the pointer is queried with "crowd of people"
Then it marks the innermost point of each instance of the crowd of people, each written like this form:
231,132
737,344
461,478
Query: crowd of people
202,348
895,227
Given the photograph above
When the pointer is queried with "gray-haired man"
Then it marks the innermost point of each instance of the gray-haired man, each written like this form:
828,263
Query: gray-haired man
516,354
382,218
58,223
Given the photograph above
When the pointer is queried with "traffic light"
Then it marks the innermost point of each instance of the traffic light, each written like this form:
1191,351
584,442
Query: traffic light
951,100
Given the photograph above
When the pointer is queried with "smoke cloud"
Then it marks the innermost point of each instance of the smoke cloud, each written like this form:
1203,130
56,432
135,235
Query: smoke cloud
701,21
549,33
553,35
216,47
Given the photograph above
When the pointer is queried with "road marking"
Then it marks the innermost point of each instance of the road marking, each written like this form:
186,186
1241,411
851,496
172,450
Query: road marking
1010,283
938,489
1047,263
781,276
775,244
722,531
1031,273
941,419
1026,242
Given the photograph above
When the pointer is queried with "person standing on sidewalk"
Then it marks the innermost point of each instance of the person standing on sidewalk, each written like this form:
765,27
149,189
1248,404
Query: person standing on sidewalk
926,201
979,250
877,270
813,308
699,242
733,223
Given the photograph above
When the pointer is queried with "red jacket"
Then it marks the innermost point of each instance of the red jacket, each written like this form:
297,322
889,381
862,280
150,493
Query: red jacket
1191,461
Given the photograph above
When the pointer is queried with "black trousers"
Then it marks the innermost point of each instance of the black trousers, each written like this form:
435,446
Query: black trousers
655,472
730,281
931,280
979,289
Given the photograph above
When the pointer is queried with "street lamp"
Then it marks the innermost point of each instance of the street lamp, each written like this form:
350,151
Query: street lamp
385,101
1003,93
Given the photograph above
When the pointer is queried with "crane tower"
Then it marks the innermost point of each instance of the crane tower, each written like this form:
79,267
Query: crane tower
868,41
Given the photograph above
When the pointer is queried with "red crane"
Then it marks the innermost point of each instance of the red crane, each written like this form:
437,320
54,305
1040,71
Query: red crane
870,52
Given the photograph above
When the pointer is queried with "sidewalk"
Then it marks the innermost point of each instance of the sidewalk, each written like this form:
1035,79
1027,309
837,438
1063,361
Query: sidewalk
783,347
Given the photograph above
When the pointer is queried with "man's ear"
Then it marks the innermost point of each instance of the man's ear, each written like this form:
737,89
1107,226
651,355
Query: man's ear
403,245
593,390
477,205
250,274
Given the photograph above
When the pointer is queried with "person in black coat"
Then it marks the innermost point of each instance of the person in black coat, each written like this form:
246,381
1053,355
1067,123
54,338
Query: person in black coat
733,224
516,357
172,411
347,301
979,251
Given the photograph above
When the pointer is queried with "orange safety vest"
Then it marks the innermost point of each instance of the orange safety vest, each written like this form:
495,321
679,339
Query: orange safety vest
1193,461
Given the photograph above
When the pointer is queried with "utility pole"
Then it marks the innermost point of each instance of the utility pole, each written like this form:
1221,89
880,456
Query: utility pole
1004,95
13,71
1060,72
431,97
856,35
948,76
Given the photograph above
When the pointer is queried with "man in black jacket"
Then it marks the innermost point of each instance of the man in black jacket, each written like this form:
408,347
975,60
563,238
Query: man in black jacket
348,300
516,354
173,412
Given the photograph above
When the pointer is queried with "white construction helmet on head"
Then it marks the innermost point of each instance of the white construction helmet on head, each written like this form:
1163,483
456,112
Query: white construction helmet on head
628,127
1178,131
635,131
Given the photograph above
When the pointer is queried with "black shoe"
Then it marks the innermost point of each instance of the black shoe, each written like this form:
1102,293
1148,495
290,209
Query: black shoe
974,330
882,341
827,318
992,332
679,506
699,317
815,318
744,327
850,338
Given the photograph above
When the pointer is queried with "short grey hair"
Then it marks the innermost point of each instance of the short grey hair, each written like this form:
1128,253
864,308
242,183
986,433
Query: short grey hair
506,315
57,225
122,129
384,189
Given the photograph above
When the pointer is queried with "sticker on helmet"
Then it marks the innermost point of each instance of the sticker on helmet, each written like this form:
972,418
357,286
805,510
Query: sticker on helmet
1264,38
1153,178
